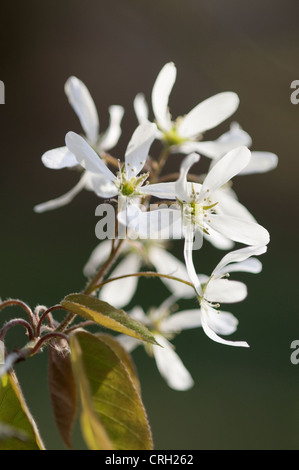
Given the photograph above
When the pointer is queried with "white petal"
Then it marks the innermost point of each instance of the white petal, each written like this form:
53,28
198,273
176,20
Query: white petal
218,240
101,186
225,169
223,323
128,342
86,156
209,114
159,224
223,290
170,366
238,256
166,263
260,162
138,148
120,293
83,105
62,200
235,137
211,334
98,256
138,314
59,158
184,320
141,108
251,265
110,138
239,230
161,190
188,250
229,205
160,95
181,186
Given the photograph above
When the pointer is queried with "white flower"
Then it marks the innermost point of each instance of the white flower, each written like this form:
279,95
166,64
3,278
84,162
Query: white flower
135,255
189,128
165,326
217,289
128,183
260,162
203,207
83,105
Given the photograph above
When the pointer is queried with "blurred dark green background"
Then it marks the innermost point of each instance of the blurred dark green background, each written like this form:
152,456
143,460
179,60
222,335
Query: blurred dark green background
243,399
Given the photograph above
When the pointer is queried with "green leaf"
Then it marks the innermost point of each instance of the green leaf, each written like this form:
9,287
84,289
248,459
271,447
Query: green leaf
15,416
113,416
123,356
104,314
63,393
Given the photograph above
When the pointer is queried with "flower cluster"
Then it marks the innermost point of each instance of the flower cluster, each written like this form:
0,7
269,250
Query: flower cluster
189,206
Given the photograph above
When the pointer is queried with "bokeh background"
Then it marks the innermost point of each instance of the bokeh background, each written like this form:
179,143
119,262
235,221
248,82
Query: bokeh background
242,399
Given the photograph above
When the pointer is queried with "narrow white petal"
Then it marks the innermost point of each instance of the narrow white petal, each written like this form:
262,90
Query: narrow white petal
235,137
98,256
111,137
239,230
209,114
86,156
181,186
138,147
160,95
59,158
141,108
61,200
120,293
237,256
251,265
170,366
188,250
211,333
225,169
83,105
166,263
260,162
161,190
183,320
223,290
223,323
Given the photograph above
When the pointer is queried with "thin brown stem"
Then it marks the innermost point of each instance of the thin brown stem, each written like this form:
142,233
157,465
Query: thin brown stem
15,322
143,274
44,315
47,339
104,269
19,303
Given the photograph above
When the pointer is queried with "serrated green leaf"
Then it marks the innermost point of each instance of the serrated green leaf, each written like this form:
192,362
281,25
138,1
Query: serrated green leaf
104,314
63,393
15,414
113,416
